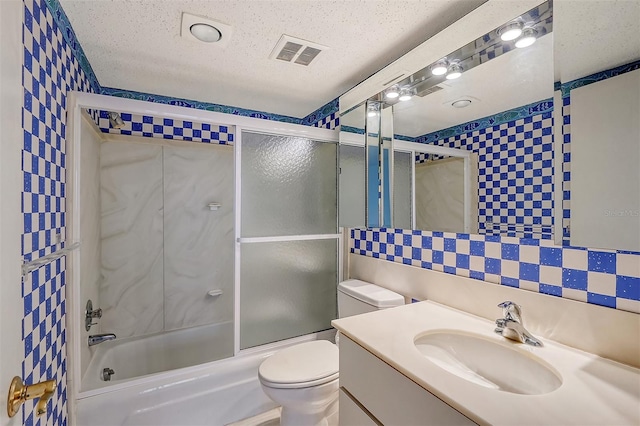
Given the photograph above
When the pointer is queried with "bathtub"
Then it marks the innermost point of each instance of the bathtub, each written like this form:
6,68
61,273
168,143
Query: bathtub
137,357
216,393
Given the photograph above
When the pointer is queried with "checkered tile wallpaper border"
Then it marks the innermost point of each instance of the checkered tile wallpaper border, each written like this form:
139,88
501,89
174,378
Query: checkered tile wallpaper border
515,175
165,128
601,277
53,65
327,116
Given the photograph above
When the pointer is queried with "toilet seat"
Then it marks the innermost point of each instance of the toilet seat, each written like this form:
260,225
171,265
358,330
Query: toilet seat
301,366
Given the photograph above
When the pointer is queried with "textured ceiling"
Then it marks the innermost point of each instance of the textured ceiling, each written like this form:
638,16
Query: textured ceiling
595,35
136,45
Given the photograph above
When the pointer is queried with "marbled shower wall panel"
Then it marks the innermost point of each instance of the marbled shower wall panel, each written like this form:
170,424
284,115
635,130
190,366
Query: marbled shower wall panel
131,291
163,249
198,242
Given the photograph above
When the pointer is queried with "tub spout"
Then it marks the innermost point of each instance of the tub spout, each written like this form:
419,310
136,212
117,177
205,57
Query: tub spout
99,338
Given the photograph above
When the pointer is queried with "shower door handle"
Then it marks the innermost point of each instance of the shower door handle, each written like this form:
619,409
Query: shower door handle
19,392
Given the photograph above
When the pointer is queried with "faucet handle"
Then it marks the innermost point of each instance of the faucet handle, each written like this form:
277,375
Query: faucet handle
511,311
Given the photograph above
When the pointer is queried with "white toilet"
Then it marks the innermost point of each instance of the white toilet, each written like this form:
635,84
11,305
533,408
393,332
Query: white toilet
303,379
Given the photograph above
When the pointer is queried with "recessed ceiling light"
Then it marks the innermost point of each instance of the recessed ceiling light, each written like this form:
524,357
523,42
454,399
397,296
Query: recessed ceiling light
205,32
527,39
461,103
201,29
440,67
455,71
511,31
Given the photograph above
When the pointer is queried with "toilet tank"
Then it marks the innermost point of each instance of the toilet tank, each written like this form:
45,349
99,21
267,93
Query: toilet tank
359,297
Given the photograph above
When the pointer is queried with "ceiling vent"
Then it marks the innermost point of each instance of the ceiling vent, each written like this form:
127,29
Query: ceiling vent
296,50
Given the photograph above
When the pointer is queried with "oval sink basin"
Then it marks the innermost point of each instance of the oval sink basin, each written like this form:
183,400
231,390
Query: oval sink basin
488,363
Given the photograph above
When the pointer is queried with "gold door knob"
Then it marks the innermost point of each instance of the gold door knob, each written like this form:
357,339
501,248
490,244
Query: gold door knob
19,393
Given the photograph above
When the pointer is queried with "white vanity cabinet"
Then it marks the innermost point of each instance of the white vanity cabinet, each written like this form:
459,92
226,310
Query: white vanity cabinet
373,392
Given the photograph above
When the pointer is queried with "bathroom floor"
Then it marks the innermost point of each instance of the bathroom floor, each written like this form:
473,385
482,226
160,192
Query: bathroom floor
268,418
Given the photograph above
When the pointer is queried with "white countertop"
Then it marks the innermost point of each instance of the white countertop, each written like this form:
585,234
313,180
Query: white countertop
594,390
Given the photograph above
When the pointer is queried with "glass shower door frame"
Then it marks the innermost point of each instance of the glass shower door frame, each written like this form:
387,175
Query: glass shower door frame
239,240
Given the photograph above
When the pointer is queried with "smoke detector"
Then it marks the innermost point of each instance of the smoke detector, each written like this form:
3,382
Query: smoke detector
296,50
200,29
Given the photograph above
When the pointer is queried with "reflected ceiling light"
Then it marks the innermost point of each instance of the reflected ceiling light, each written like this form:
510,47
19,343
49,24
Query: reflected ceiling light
405,95
529,36
392,92
205,32
461,103
511,31
115,120
372,111
455,71
440,67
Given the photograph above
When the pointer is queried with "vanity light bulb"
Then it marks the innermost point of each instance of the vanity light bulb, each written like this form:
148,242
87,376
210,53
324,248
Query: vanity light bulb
440,68
392,93
405,95
511,31
455,71
527,39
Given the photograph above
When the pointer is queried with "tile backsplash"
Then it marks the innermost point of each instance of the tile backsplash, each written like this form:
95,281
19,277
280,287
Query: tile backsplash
602,277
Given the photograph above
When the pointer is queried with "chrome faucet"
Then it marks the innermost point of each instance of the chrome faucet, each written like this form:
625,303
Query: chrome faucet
99,338
511,325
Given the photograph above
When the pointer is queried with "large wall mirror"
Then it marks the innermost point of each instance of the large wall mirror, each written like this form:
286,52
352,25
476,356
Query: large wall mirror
488,101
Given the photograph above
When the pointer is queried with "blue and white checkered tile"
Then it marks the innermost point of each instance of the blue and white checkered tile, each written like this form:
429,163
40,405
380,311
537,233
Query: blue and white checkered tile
566,169
49,71
44,336
515,175
51,68
601,277
166,128
330,122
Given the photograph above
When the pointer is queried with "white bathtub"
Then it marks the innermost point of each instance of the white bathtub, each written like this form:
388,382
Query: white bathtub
137,357
217,393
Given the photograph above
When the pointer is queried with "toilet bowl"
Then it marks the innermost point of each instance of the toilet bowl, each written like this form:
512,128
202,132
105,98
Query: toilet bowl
308,390
303,379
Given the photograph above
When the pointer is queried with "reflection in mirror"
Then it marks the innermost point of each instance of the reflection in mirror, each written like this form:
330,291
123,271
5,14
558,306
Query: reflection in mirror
439,182
373,171
351,205
499,108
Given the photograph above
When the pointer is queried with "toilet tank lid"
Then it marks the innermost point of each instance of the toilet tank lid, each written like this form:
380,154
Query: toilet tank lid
371,294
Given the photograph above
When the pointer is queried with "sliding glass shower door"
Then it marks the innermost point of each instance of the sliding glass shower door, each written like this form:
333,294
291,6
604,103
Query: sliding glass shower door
288,243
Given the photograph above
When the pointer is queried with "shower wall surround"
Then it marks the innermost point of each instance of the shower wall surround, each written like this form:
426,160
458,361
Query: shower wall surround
53,64
163,249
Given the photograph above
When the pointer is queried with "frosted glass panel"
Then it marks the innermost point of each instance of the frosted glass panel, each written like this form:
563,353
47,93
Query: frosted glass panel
402,190
352,186
289,186
287,289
